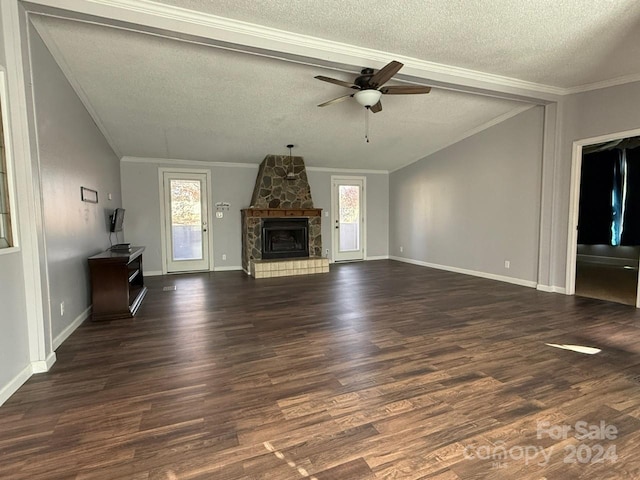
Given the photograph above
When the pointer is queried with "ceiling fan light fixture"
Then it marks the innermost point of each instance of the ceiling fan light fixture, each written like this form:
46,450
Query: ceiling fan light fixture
368,98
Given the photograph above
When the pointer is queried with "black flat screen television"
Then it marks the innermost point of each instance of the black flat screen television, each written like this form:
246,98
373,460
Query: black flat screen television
117,219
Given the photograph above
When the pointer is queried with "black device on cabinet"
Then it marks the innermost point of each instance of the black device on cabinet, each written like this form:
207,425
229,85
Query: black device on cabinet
117,220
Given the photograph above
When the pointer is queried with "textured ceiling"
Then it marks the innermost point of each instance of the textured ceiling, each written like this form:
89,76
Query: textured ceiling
163,98
160,97
563,43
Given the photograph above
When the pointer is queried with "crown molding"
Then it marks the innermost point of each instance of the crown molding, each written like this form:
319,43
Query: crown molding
347,170
614,82
178,161
181,23
204,163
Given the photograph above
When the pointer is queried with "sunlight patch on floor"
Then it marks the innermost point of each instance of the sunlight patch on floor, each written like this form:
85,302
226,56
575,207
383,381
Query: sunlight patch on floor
576,348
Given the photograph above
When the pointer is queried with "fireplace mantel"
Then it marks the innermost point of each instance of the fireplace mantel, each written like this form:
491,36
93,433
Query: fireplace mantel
282,212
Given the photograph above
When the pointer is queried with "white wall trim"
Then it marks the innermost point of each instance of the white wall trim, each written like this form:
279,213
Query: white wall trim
152,273
66,333
378,257
231,268
27,176
190,163
206,163
15,383
42,366
551,289
475,273
469,133
347,170
613,82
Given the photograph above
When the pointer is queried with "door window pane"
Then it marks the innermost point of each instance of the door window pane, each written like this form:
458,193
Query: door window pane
349,206
186,220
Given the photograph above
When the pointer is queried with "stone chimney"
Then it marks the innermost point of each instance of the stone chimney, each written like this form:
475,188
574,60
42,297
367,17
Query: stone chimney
282,183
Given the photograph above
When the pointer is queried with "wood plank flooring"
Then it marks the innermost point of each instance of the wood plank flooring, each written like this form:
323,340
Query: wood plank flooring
377,370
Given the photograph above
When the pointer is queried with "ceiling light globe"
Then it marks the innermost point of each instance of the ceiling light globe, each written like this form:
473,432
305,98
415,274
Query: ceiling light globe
367,98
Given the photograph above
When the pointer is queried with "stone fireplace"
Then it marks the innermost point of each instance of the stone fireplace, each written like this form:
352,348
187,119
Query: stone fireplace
281,231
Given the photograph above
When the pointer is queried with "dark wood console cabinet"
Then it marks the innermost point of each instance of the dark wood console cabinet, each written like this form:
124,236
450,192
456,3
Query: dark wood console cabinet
117,284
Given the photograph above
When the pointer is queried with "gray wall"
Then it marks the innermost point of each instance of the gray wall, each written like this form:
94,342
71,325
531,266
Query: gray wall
586,115
73,153
474,204
141,199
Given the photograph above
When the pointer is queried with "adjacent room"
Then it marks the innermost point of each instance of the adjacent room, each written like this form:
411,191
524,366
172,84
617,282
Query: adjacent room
294,240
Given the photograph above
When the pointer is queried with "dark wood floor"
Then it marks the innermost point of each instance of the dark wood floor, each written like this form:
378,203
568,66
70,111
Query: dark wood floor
379,370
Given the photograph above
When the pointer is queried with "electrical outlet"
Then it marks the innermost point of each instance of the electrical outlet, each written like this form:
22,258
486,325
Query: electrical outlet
326,252
507,264
62,309
224,256
401,249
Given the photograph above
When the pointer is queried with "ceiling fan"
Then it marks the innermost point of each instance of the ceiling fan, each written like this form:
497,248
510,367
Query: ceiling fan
369,86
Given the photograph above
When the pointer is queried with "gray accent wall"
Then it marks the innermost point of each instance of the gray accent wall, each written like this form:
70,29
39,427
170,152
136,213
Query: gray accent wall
234,184
474,204
72,153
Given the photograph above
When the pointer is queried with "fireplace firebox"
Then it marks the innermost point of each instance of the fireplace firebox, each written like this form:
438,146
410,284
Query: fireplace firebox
285,238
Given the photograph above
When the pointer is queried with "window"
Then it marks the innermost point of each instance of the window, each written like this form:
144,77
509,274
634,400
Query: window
6,237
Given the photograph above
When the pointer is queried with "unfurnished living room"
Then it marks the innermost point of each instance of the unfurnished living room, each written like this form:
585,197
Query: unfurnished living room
319,240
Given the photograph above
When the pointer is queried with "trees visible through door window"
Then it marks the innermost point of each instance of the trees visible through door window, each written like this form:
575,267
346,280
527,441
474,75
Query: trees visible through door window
349,205
6,235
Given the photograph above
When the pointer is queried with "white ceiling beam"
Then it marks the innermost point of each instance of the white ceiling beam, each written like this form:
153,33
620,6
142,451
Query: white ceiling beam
175,22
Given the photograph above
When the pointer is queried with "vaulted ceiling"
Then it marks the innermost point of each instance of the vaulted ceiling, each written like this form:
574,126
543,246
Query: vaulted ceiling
231,81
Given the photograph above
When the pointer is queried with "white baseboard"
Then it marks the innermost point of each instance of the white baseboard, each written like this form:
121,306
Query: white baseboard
551,289
152,273
42,366
227,269
15,383
378,257
490,276
71,328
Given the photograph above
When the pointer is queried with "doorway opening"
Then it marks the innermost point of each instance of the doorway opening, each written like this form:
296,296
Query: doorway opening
604,237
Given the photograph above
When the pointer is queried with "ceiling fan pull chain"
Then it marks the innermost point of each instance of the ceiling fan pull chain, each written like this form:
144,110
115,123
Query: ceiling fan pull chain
366,124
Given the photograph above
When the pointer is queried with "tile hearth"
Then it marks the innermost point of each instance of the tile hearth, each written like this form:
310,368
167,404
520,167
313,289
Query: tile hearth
288,267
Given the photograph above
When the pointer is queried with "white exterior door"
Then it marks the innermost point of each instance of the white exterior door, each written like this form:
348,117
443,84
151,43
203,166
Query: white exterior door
348,218
186,226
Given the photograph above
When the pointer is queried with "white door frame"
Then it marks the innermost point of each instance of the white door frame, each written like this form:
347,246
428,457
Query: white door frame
163,226
574,203
334,212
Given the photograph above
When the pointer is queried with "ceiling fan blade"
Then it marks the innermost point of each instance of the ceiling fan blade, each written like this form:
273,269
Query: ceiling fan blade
337,82
377,107
383,75
336,100
404,89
